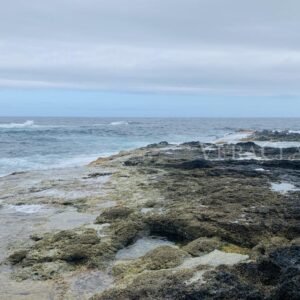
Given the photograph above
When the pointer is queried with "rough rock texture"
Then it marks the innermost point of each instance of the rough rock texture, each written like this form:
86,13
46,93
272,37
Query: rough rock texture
202,197
278,136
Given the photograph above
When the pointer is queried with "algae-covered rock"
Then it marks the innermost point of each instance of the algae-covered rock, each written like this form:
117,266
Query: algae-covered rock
126,232
230,248
17,256
202,245
113,213
43,271
274,277
75,253
163,257
269,245
206,205
161,284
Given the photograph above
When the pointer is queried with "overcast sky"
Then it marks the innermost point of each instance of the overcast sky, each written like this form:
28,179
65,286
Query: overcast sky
156,49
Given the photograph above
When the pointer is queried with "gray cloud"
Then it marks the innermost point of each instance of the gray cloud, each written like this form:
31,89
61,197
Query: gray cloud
204,46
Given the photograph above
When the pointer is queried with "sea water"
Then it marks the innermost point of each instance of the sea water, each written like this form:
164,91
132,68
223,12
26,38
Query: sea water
43,143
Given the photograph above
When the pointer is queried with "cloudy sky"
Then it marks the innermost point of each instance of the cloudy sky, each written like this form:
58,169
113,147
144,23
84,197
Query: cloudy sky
229,53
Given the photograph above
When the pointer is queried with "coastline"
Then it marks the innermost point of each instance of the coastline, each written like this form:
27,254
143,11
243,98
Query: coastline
213,227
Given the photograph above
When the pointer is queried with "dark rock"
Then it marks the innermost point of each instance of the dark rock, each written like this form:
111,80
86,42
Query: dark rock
95,175
113,213
17,256
194,164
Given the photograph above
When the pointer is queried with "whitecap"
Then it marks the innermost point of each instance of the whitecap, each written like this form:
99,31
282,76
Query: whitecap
294,131
28,123
118,123
234,138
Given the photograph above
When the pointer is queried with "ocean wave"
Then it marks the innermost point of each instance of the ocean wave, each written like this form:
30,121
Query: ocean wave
46,162
294,131
236,137
28,123
118,123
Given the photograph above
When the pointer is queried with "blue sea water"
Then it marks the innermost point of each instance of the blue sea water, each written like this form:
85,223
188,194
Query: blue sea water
43,143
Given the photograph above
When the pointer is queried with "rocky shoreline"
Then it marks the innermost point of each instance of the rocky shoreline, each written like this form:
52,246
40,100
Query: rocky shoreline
189,221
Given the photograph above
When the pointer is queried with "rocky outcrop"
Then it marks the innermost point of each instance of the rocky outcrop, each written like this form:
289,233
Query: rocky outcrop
188,195
277,136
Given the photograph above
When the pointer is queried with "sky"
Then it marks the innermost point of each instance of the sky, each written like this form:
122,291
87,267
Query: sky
150,58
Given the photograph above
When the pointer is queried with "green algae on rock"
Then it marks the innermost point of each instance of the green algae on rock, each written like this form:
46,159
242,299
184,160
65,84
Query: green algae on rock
235,238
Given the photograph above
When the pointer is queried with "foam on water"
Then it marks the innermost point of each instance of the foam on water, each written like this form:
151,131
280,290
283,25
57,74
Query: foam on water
294,131
119,123
43,143
234,138
28,123
26,208
44,162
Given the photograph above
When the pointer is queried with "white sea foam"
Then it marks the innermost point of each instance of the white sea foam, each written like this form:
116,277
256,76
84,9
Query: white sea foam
28,123
26,208
118,123
39,162
294,131
234,138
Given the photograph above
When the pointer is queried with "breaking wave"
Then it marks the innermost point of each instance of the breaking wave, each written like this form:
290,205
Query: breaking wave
28,123
118,123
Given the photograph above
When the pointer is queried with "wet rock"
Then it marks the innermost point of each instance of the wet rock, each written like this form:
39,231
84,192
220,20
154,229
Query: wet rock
278,136
194,164
113,213
36,237
95,175
163,257
42,271
158,145
202,245
267,279
126,233
208,206
269,245
17,256
248,146
75,253
150,285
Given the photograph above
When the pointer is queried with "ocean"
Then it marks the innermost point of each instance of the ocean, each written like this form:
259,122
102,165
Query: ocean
36,143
